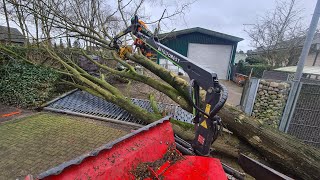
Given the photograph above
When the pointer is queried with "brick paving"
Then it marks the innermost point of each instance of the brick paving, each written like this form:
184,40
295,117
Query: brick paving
36,143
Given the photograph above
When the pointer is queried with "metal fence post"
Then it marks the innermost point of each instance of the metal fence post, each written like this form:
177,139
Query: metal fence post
293,106
288,109
252,92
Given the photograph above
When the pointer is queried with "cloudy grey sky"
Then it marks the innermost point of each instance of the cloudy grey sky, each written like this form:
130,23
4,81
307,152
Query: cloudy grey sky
226,16
229,16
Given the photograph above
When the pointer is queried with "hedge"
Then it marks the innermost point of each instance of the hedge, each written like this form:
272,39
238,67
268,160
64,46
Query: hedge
253,60
25,85
257,69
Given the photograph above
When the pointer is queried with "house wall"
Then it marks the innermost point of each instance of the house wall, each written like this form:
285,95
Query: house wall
310,59
180,43
212,56
239,57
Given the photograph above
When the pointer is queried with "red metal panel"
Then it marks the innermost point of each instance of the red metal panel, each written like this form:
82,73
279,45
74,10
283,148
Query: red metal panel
148,144
196,167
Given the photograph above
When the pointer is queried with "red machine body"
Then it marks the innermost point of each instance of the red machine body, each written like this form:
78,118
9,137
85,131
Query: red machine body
117,160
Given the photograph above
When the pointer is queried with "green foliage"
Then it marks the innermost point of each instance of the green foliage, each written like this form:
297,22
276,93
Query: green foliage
25,85
257,69
19,50
256,60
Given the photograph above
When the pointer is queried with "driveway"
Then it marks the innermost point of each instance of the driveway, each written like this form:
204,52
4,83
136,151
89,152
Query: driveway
234,90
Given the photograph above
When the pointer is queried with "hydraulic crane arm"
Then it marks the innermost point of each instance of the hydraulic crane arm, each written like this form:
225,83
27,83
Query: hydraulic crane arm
206,121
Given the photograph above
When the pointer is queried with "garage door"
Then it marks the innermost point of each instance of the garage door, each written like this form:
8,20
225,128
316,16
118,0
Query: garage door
214,57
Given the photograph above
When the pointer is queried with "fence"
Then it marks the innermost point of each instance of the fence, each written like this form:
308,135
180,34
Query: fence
248,95
288,76
265,100
304,122
301,115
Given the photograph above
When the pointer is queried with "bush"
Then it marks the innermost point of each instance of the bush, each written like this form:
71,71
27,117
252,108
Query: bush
257,69
25,85
256,60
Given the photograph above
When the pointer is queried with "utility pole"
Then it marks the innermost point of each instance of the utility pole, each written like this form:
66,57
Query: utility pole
288,112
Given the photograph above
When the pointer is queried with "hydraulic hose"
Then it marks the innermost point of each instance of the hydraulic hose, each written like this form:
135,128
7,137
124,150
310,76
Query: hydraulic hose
221,102
218,106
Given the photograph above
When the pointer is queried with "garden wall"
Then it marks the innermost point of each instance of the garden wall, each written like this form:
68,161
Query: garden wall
270,101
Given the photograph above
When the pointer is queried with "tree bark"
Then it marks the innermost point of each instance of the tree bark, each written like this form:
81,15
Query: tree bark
285,152
174,80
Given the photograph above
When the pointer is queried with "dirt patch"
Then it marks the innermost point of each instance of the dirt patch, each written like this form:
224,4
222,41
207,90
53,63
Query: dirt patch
142,170
9,113
142,91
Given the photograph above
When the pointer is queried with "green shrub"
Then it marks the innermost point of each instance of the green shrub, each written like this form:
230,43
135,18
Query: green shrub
257,69
25,85
256,60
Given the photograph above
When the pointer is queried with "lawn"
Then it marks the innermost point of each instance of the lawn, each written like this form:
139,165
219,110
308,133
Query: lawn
36,143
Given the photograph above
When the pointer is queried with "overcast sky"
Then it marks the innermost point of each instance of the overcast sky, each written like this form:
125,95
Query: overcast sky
225,16
229,16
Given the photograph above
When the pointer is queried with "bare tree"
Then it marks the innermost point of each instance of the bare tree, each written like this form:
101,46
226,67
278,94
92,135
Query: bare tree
96,23
16,14
7,19
278,34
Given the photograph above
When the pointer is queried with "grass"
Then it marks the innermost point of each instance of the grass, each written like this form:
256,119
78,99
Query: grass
39,142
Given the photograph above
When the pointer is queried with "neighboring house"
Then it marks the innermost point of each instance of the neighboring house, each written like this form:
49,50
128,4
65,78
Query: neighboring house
313,58
240,56
16,36
210,49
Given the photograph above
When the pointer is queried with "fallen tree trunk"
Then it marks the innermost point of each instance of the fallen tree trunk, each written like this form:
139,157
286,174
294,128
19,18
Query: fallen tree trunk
285,152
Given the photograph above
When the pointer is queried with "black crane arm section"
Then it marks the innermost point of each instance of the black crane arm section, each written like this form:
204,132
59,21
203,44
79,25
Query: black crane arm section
206,121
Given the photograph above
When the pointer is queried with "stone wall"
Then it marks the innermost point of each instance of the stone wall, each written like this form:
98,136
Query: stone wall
270,101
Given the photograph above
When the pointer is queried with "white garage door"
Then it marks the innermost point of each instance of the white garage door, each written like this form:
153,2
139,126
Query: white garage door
214,57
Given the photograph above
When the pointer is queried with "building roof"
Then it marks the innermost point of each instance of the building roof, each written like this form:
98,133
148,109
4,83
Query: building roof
295,42
313,70
200,30
16,35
